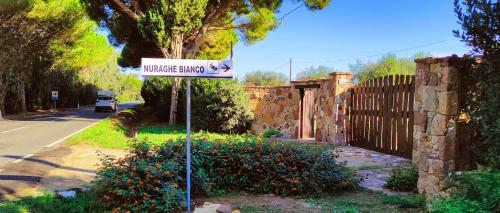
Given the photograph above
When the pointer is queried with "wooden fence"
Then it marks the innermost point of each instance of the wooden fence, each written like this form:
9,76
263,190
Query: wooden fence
381,115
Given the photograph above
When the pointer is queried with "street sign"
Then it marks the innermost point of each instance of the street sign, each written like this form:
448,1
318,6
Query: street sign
55,95
187,68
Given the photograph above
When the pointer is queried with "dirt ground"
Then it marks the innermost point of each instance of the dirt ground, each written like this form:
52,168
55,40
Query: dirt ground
60,168
376,167
361,201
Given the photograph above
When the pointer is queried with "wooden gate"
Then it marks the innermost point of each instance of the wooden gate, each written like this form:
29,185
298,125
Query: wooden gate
381,115
308,110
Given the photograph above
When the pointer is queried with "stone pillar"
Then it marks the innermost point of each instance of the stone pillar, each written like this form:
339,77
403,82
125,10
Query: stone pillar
436,113
341,82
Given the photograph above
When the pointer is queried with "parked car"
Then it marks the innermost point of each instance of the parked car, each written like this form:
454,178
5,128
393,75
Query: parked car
106,101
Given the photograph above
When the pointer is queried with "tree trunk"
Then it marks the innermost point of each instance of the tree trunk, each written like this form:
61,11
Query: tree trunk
176,50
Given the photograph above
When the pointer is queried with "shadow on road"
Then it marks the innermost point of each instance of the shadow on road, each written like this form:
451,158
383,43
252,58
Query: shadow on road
48,163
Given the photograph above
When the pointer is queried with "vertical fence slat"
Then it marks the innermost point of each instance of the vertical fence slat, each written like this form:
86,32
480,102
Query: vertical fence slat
380,96
411,114
400,131
406,112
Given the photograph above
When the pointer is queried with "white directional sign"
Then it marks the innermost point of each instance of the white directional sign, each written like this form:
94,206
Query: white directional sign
55,95
186,68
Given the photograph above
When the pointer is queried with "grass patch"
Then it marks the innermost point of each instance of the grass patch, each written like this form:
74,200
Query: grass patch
116,132
409,201
83,202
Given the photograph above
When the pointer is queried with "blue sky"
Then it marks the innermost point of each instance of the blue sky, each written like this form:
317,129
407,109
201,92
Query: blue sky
350,29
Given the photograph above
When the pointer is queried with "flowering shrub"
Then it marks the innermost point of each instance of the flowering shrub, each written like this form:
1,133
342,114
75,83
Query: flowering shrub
153,178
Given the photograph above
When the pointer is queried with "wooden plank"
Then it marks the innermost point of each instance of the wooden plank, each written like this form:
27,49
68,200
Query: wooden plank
362,115
356,106
406,111
373,140
379,98
411,114
390,114
401,145
385,91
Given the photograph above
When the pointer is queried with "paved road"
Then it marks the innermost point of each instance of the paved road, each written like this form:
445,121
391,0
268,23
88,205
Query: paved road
23,137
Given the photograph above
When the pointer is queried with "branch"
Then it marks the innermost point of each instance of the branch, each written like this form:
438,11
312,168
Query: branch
241,26
137,9
125,9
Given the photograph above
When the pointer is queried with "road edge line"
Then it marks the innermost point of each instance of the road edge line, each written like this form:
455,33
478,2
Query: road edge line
71,135
23,158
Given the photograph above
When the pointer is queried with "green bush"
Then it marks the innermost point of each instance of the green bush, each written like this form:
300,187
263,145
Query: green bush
475,191
403,179
271,132
153,178
156,93
217,106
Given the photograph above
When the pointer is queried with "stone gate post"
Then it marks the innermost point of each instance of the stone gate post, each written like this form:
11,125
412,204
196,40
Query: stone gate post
435,128
341,81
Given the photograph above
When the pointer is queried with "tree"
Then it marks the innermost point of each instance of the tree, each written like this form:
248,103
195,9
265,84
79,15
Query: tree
387,65
181,28
480,21
52,45
314,72
268,78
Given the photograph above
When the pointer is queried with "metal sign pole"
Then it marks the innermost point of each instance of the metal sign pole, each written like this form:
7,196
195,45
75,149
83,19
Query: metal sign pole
188,145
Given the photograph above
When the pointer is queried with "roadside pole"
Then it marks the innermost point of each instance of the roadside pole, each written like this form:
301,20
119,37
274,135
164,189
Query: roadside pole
189,69
188,145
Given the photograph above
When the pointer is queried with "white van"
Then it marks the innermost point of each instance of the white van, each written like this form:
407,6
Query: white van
106,100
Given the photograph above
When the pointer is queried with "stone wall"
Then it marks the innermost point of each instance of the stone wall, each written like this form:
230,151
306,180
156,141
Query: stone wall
279,107
435,126
275,107
332,118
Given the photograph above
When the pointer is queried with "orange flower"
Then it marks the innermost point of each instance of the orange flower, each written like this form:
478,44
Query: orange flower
166,172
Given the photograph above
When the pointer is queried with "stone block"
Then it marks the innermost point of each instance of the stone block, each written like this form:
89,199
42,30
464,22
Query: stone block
435,68
449,75
449,166
438,124
423,164
448,102
268,118
447,149
433,79
436,167
429,98
420,118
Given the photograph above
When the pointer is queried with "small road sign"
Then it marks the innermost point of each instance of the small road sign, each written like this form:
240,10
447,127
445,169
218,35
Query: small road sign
55,95
187,68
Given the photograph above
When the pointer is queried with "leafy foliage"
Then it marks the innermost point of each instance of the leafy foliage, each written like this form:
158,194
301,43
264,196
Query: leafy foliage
387,65
152,178
82,203
314,72
269,78
218,106
271,133
480,22
52,45
475,191
403,179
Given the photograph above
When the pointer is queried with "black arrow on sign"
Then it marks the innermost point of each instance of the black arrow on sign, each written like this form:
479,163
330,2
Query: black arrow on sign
226,68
